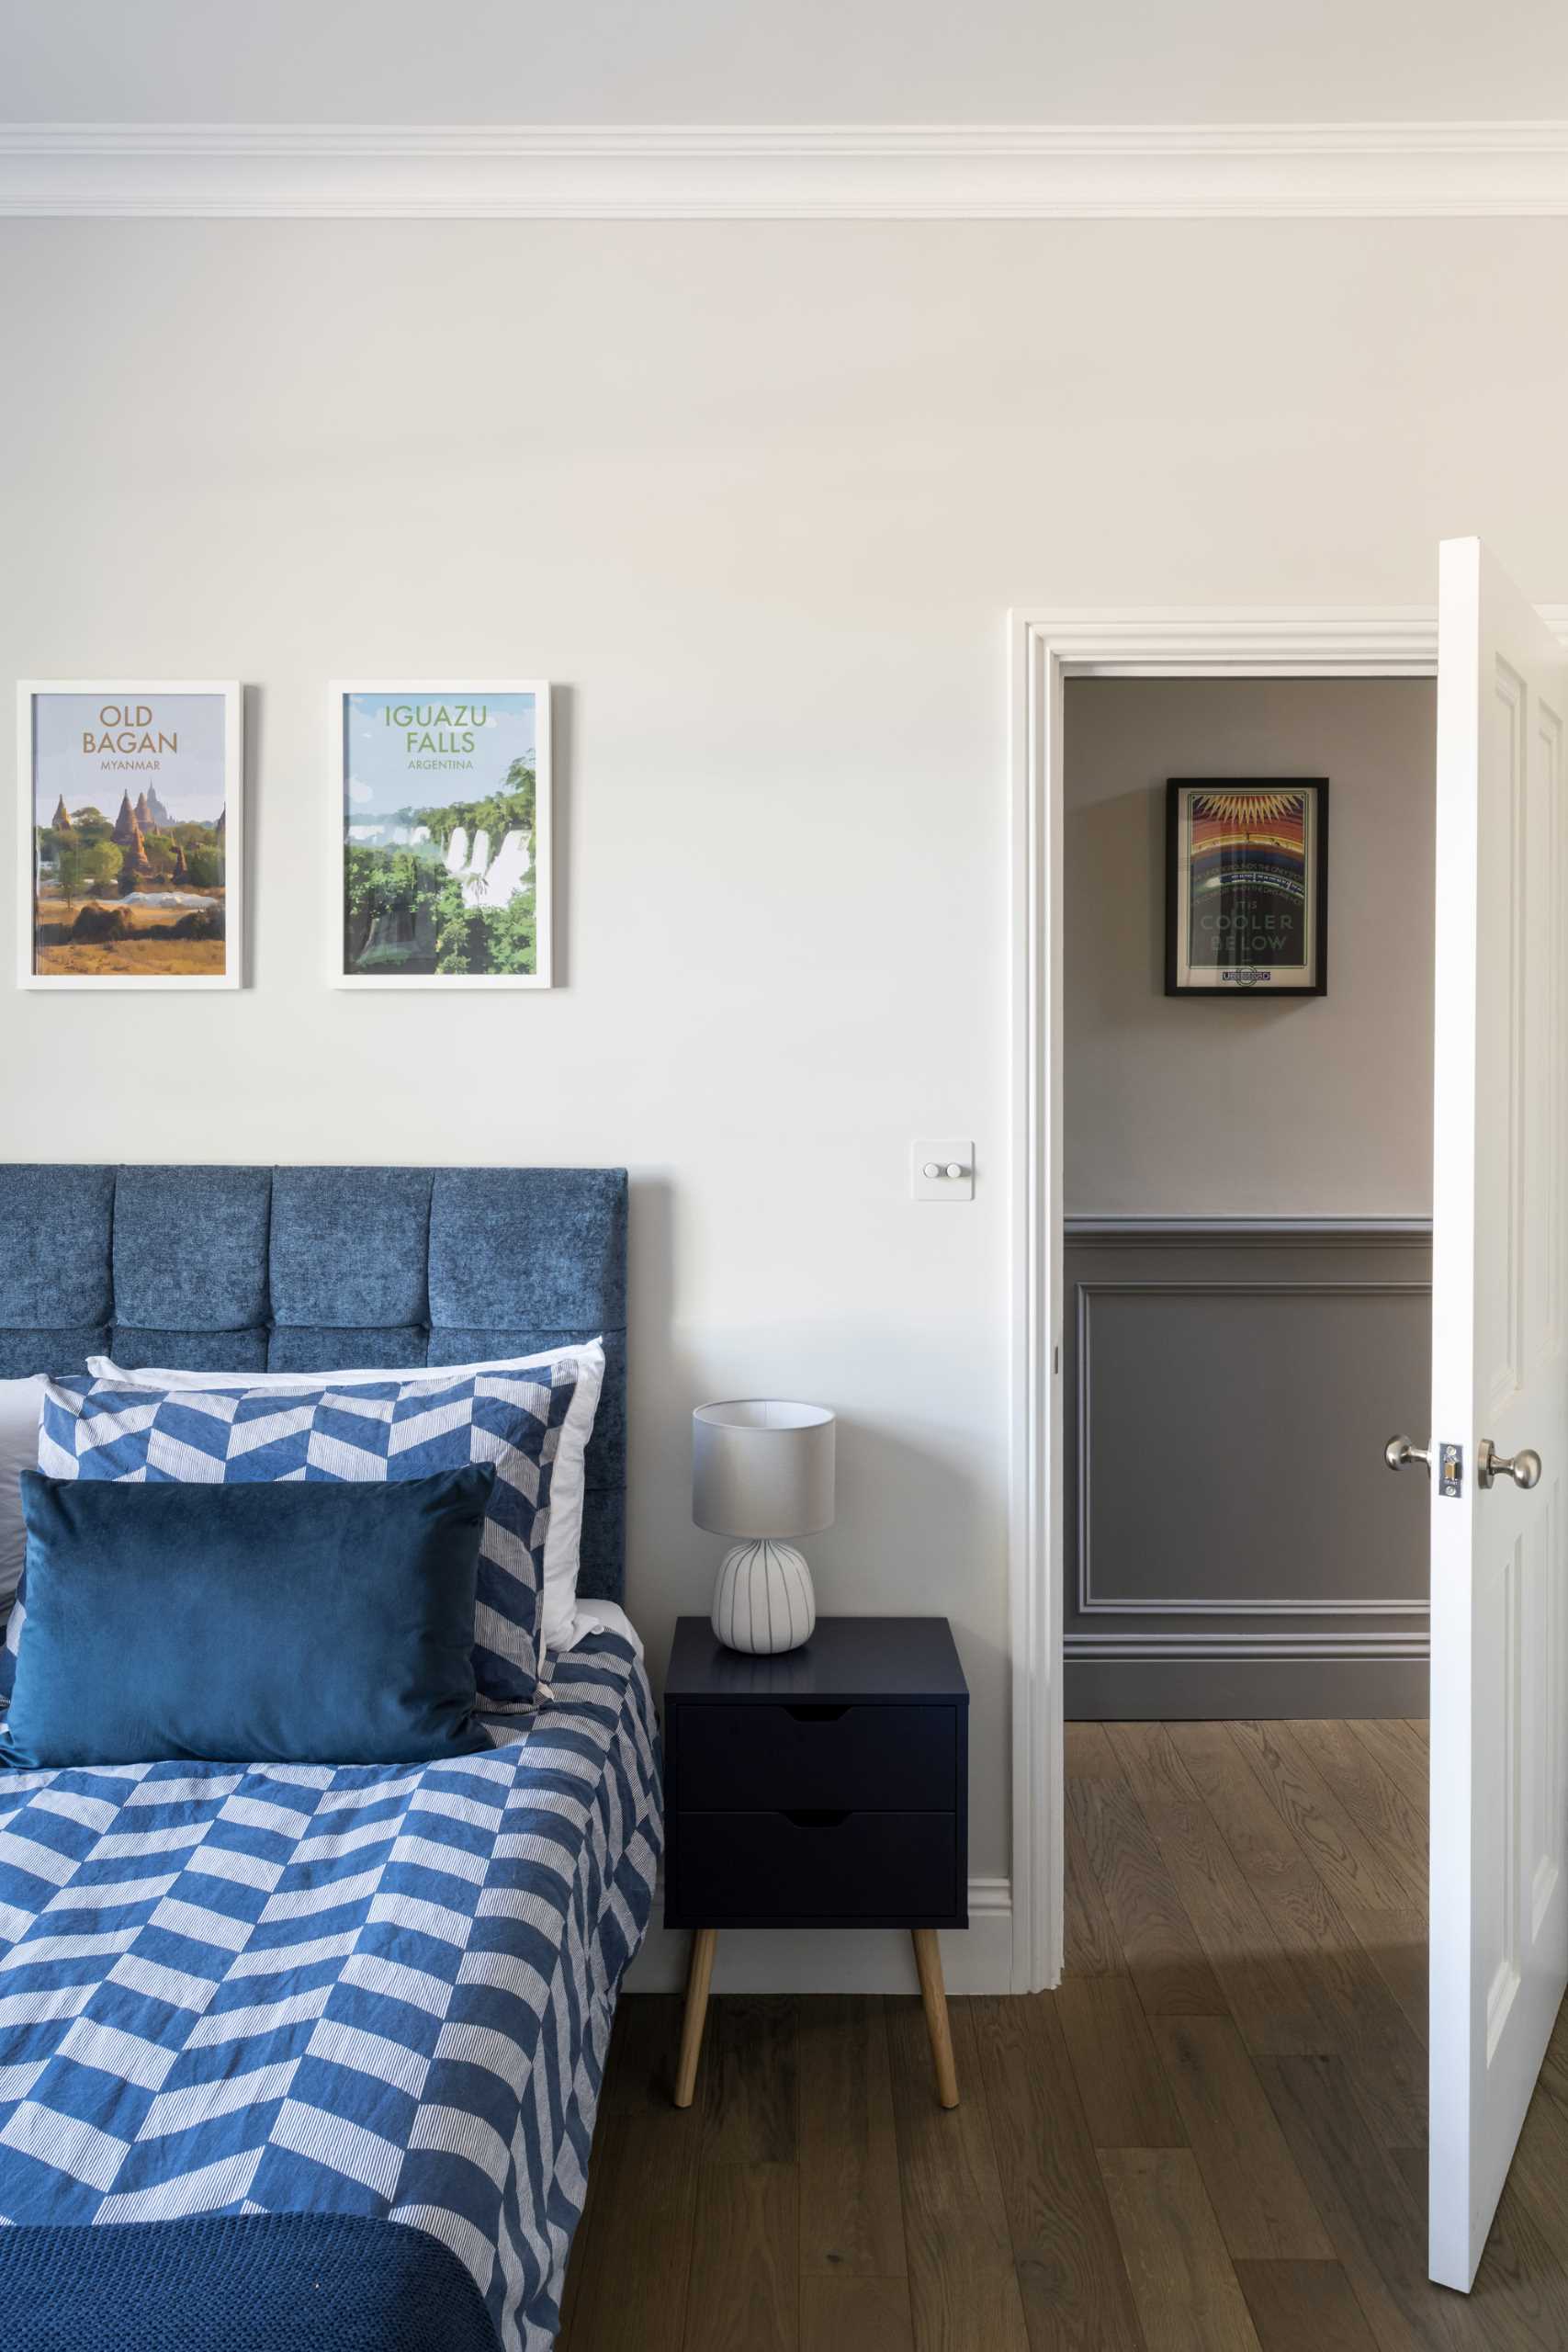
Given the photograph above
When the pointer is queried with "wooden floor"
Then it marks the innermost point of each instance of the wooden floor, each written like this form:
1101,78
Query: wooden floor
1211,2139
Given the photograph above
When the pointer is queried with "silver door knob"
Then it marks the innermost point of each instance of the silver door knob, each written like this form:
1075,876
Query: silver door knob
1399,1451
1523,1468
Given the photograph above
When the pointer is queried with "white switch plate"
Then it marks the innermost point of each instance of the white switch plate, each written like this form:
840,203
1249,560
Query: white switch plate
940,1154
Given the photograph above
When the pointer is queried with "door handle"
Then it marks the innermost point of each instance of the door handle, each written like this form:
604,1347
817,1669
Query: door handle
1399,1451
1523,1468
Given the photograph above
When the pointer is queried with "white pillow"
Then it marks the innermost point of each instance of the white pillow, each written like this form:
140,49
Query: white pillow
561,1628
21,1402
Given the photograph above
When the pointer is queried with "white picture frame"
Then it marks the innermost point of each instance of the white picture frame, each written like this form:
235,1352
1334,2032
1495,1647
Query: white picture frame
445,694
126,767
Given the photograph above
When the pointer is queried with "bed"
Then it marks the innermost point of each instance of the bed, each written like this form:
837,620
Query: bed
309,2055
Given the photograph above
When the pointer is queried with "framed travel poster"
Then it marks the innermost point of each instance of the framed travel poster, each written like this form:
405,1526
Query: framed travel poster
133,841
442,807
1246,886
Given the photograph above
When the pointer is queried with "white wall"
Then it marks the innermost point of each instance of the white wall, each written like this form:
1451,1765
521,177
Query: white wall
758,497
778,61
1290,1106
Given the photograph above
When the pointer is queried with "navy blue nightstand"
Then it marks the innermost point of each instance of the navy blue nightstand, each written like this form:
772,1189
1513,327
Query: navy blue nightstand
828,1788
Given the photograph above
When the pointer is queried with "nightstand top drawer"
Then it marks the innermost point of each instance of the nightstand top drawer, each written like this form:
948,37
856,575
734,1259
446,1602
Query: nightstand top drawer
815,1753
868,1660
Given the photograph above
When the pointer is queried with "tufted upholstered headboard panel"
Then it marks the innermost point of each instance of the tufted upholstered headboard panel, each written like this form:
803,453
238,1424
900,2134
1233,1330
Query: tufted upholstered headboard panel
303,1269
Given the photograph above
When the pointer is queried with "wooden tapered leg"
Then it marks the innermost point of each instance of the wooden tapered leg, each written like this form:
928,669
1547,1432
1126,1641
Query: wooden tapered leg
933,1993
699,1977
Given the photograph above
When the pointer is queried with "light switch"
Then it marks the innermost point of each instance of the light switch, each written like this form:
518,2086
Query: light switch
941,1169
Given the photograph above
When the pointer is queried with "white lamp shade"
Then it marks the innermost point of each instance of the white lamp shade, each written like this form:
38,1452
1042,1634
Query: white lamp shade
762,1468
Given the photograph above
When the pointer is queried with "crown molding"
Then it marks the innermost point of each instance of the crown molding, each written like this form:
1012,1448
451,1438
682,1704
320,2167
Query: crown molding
934,172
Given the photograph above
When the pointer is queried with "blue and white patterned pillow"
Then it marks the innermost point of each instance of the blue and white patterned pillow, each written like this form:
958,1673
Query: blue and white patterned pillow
98,1429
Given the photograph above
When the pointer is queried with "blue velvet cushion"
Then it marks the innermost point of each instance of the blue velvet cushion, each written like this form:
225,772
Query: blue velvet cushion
299,1623
381,1431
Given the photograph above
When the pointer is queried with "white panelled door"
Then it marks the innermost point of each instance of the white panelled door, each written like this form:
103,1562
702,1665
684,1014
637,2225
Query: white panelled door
1499,1706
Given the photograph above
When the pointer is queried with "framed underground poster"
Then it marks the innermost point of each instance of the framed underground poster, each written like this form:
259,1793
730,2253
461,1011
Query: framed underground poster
131,838
1246,886
441,800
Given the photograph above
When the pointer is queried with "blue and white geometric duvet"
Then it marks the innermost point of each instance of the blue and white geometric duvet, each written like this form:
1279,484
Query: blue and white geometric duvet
359,1990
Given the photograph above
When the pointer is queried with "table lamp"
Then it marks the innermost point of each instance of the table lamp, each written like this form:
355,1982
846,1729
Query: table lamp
763,1471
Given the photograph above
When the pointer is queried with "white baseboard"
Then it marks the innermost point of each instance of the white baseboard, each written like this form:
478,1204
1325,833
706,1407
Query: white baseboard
838,1960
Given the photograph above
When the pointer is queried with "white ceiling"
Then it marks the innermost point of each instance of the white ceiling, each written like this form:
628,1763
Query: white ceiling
772,62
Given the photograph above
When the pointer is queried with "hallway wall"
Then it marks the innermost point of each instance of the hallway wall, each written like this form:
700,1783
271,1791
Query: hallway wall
1247,1105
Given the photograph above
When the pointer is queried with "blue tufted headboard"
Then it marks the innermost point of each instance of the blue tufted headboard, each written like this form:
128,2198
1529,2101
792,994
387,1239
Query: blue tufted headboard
300,1268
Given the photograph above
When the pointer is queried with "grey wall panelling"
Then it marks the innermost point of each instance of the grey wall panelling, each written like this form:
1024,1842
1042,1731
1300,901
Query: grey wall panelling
1234,1544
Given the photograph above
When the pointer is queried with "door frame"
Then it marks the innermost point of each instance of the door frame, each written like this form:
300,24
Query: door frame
1048,645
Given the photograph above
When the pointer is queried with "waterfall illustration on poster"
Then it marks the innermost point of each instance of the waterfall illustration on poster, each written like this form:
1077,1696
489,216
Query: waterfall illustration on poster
444,792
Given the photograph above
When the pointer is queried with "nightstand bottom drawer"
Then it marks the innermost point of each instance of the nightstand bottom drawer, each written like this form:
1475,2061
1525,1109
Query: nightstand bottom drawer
792,1868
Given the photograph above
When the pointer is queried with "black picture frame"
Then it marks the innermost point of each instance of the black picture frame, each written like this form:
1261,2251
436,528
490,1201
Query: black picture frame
1246,894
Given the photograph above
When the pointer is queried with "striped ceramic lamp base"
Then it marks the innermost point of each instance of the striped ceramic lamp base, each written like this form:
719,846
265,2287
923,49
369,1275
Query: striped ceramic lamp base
764,1602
